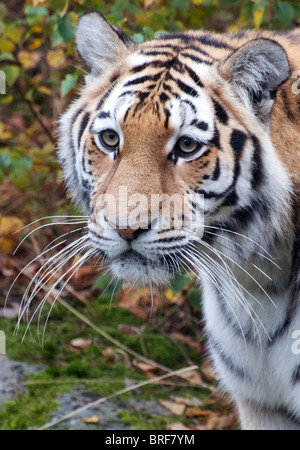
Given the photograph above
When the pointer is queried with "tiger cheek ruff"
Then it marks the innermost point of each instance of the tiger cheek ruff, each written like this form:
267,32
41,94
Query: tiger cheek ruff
214,115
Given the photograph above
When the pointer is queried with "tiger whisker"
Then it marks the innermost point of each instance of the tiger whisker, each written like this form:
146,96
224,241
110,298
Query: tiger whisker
35,280
238,293
65,234
218,252
51,217
54,259
236,253
46,225
271,259
81,261
49,293
214,282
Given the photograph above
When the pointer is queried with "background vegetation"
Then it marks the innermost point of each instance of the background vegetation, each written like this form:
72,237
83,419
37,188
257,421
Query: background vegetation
43,72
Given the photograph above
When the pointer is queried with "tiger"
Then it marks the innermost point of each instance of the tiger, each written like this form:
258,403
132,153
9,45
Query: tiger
214,118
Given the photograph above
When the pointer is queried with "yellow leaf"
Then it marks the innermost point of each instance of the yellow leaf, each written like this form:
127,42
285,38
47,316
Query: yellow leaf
37,29
4,135
92,419
6,245
56,58
14,34
6,99
28,59
258,16
6,46
35,43
8,226
45,90
171,296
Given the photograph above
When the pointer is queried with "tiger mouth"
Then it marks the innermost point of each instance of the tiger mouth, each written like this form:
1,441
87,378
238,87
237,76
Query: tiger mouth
134,267
132,256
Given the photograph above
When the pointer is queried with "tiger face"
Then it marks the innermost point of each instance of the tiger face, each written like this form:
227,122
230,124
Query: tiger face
182,117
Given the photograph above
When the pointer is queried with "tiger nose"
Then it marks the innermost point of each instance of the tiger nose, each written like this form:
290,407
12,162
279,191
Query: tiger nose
130,233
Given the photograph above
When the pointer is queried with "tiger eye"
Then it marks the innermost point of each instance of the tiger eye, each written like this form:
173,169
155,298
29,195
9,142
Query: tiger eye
187,145
109,138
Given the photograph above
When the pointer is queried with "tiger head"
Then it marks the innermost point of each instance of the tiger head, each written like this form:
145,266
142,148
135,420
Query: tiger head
183,116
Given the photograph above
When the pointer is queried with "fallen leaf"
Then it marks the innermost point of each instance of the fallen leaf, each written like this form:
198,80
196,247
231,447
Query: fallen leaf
139,312
193,377
92,419
81,343
188,401
188,341
131,298
28,60
108,352
144,367
8,226
56,58
175,408
197,412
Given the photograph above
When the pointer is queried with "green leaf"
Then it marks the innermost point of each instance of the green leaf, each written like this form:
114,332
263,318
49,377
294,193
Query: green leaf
194,297
20,177
284,12
179,281
68,83
148,32
11,73
34,14
65,28
7,56
39,179
102,281
160,33
138,38
5,161
26,162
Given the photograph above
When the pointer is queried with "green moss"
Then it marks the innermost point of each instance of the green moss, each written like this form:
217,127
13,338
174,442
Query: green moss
30,410
144,421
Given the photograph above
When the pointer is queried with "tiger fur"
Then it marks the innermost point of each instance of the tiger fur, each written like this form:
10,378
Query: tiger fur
234,95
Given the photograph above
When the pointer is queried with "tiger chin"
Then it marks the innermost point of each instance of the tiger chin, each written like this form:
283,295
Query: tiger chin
217,117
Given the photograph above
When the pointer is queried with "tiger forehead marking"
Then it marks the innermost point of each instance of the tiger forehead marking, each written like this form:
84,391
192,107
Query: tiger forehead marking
151,85
212,120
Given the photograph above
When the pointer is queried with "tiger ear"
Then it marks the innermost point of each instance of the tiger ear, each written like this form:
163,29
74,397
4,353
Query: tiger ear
256,71
99,43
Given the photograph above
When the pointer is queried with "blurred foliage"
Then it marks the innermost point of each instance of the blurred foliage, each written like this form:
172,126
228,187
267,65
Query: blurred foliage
42,68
